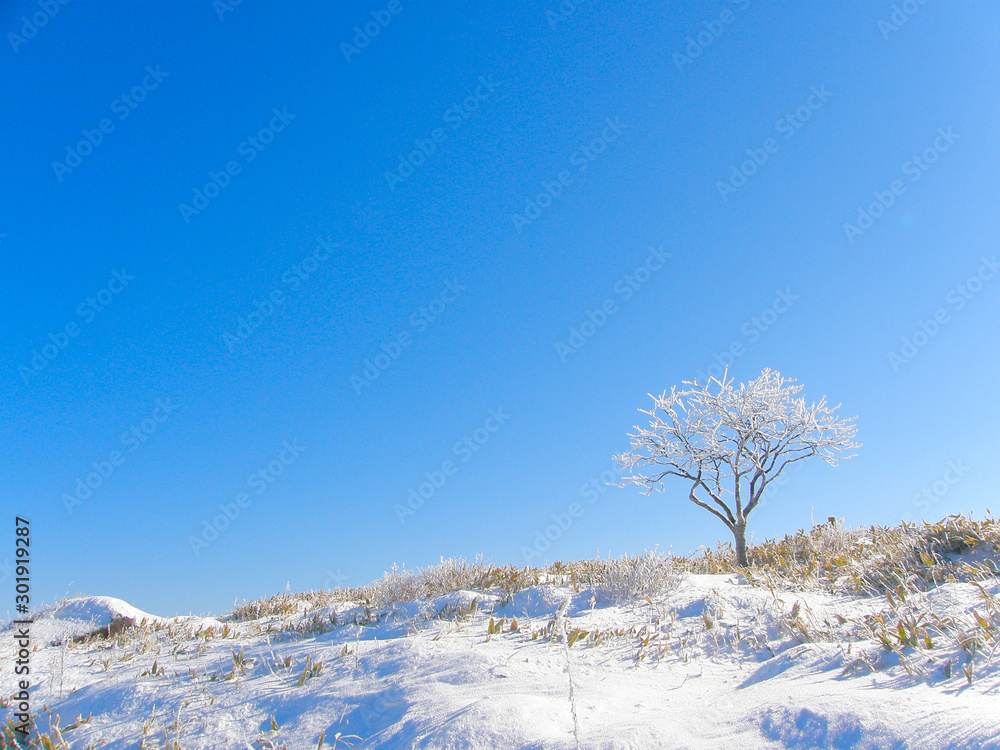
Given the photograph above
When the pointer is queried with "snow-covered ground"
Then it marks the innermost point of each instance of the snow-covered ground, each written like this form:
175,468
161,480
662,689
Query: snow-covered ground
710,663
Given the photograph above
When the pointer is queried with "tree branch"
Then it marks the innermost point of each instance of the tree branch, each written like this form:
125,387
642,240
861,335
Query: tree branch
694,499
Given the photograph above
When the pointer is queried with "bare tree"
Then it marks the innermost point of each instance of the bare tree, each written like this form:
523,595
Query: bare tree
730,443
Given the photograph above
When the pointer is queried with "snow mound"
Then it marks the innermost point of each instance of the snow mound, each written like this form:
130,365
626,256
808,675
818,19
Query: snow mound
81,615
98,611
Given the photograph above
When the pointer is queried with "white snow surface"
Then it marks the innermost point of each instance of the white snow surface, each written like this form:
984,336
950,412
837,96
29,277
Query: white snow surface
411,680
81,615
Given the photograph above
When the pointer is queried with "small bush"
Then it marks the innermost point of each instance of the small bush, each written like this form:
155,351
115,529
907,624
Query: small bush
633,576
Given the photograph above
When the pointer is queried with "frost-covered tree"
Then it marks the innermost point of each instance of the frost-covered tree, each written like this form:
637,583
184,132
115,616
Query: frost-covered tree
730,443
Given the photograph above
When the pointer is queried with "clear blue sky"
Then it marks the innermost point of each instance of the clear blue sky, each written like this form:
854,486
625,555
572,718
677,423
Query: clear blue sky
214,324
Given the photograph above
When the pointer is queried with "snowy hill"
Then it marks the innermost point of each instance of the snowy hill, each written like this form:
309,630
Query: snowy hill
571,660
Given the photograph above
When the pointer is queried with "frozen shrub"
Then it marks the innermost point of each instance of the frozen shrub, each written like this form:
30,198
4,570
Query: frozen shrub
634,576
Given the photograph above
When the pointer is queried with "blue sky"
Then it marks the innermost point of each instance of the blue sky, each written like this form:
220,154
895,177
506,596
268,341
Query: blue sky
259,257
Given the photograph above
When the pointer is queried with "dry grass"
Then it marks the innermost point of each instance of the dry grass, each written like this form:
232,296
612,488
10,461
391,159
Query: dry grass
876,559
869,560
893,567
399,585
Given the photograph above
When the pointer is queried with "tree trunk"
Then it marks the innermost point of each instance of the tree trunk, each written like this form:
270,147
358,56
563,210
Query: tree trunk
740,534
